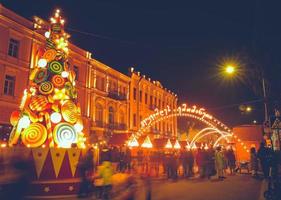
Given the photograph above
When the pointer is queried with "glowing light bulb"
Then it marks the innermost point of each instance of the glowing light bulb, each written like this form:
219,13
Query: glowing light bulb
42,63
24,122
64,74
55,117
47,34
78,127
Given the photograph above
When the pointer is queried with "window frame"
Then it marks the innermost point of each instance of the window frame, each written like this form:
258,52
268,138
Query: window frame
9,89
13,48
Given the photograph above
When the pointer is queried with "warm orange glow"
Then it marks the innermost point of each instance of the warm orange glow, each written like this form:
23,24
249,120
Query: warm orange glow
147,143
177,145
133,142
169,144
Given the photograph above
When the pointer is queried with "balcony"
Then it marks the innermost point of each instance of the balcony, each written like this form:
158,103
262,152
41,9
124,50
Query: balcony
152,107
99,124
116,96
115,126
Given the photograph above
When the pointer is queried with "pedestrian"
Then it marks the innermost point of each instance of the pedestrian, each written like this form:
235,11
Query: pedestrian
254,162
122,162
105,172
128,159
174,166
220,163
210,168
200,160
231,160
86,167
190,162
264,157
184,163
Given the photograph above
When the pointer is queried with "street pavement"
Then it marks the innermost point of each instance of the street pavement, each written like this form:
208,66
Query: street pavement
237,187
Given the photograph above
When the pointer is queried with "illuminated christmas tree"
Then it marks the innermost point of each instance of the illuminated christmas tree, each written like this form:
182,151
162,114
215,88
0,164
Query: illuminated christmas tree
49,112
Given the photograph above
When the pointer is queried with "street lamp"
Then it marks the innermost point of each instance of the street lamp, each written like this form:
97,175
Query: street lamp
231,70
248,109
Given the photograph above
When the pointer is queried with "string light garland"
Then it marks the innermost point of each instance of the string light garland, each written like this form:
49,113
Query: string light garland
194,112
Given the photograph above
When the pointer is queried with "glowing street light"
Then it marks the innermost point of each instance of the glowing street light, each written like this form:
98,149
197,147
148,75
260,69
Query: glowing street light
229,69
232,66
248,109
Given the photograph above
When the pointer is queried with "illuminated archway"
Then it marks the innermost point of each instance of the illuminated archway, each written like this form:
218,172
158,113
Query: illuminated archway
214,126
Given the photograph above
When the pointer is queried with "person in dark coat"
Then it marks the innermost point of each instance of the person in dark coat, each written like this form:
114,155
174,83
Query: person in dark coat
254,162
86,167
210,166
190,162
201,162
184,163
264,157
231,160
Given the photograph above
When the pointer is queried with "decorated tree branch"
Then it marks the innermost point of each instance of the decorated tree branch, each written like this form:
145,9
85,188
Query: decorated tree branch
49,114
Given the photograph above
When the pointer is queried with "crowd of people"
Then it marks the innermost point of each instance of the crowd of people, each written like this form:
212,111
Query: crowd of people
174,163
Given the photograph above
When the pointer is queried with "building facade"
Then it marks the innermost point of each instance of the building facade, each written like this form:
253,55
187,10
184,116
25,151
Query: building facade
145,97
110,101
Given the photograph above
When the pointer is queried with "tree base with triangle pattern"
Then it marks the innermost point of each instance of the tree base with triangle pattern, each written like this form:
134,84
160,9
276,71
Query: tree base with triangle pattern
53,171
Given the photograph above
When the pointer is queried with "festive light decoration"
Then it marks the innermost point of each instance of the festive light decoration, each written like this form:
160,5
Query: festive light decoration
35,135
42,63
133,142
188,145
79,126
47,34
50,55
46,88
65,135
194,112
147,143
56,117
60,94
24,122
177,145
169,144
64,74
58,81
49,115
194,146
41,75
15,116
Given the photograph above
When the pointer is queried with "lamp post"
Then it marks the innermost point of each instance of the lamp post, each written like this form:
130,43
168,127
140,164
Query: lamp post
231,70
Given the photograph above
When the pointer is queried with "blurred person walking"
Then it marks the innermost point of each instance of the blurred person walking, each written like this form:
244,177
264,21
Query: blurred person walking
220,163
254,163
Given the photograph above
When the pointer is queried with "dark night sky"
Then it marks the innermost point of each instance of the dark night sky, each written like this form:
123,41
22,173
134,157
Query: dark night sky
179,43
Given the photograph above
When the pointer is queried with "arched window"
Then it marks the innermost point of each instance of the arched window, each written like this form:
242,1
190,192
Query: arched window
111,115
99,113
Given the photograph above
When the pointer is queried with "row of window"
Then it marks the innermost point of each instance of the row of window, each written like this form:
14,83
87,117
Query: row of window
111,113
146,98
112,86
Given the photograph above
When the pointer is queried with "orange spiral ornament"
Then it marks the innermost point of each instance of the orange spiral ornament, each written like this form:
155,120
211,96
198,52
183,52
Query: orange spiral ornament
58,81
38,103
50,55
46,88
69,112
34,136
